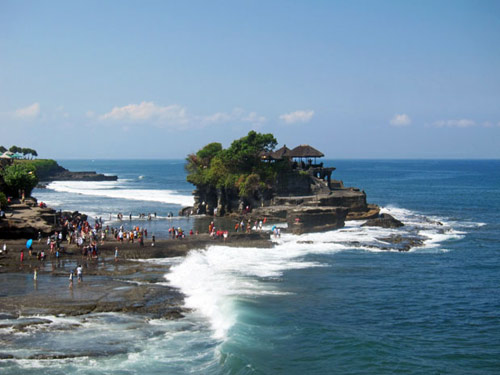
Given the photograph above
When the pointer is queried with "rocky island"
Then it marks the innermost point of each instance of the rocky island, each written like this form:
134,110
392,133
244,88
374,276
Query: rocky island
253,179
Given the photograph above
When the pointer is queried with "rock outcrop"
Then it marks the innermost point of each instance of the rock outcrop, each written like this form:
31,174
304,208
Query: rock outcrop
26,220
319,204
58,173
384,221
315,219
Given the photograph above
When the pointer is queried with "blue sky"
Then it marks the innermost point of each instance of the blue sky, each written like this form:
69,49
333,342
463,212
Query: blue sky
160,79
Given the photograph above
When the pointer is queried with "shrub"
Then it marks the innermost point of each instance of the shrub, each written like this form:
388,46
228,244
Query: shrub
20,177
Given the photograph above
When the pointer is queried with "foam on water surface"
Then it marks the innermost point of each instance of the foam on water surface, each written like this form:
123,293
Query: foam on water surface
116,189
225,274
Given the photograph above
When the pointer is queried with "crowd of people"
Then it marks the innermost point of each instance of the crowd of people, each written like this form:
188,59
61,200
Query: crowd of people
77,230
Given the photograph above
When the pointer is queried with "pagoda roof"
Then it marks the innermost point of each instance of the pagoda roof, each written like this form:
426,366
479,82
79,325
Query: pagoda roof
282,152
305,151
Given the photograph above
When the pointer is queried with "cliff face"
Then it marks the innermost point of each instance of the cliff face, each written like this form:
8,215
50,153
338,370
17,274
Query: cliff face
54,172
307,203
223,201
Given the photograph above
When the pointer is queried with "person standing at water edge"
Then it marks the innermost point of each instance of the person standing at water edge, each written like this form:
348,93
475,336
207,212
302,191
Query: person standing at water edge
79,272
71,279
116,254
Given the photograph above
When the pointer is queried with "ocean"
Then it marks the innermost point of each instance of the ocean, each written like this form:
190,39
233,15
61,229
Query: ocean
336,302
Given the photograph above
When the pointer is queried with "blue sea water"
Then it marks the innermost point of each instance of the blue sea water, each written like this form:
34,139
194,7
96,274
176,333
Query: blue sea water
332,302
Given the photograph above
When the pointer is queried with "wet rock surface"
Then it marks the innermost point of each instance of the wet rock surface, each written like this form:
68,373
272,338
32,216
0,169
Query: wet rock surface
384,221
401,243
315,219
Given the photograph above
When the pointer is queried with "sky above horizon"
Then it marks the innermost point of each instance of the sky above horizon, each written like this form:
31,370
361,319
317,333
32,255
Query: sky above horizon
160,79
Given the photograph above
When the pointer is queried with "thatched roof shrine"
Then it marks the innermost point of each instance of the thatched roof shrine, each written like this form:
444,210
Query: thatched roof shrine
305,151
282,152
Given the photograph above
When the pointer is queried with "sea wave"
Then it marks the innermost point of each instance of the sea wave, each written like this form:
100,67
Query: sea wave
114,189
224,274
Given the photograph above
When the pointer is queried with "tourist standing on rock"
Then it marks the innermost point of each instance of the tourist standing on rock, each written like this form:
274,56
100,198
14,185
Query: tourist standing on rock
22,255
116,254
71,278
153,239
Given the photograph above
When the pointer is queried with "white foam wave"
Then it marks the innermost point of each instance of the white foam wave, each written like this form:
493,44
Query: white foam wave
214,279
112,189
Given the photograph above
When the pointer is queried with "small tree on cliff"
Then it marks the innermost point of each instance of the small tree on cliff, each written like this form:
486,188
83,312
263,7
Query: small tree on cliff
197,164
19,177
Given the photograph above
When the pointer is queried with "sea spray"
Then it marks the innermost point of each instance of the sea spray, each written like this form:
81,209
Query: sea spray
214,279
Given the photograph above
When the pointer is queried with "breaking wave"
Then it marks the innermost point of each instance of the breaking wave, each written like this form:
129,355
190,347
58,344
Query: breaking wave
114,189
214,279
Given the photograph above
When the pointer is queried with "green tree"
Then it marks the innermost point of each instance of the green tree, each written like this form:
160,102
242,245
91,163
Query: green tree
244,153
231,168
19,177
25,151
2,149
29,152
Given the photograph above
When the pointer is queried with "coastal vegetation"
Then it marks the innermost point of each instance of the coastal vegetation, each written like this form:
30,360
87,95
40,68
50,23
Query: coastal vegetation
18,178
239,167
25,151
18,175
42,167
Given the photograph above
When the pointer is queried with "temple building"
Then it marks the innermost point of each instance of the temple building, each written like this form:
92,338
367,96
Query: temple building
301,158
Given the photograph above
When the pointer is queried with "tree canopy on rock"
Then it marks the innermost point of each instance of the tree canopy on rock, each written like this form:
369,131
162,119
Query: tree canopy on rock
237,167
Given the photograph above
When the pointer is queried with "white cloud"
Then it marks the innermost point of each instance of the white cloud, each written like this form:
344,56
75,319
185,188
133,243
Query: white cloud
461,123
400,120
148,111
30,112
254,118
176,115
237,115
302,116
216,118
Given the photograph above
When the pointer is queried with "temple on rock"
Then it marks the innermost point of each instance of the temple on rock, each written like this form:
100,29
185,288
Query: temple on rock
300,191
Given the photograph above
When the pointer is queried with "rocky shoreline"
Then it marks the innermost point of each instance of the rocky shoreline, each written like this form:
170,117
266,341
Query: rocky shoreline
125,285
59,173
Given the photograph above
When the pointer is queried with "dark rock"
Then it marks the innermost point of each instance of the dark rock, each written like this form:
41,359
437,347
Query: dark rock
384,221
187,211
401,243
316,219
58,173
